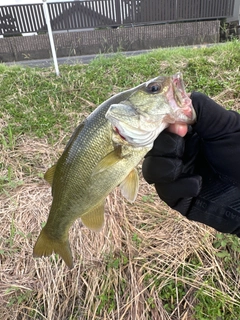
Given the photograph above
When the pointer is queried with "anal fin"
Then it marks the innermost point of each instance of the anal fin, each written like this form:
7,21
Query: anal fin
94,219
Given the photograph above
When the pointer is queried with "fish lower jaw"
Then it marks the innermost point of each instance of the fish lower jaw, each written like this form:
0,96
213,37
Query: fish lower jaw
183,110
186,115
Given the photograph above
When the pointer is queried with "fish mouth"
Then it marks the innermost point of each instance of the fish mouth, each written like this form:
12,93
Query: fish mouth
180,101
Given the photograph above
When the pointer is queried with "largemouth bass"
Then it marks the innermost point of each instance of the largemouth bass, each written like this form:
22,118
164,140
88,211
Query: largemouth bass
103,153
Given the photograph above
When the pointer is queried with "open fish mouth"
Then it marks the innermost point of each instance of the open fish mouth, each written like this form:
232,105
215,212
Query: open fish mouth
179,93
180,101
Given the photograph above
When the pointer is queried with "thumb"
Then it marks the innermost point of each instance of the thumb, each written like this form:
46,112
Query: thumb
213,121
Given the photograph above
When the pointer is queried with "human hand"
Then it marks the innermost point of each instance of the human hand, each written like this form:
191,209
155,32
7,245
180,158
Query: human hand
198,174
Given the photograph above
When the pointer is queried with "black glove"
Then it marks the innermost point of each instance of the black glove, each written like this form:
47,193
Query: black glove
199,175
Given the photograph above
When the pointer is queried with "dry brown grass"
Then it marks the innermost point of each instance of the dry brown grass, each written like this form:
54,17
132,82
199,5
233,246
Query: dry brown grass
119,273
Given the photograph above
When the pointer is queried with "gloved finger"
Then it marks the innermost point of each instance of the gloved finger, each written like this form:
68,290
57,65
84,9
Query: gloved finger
160,169
213,121
185,187
167,144
219,130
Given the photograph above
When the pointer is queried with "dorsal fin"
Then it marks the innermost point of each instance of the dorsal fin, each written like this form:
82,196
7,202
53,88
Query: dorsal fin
75,134
49,175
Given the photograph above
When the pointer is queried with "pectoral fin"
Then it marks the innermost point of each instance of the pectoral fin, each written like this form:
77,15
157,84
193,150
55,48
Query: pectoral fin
108,161
94,219
129,186
50,174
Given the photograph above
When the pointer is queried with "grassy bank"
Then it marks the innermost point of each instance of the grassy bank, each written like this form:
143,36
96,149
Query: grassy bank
148,262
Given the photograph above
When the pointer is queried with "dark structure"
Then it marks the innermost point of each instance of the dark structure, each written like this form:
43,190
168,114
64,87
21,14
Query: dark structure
104,13
114,25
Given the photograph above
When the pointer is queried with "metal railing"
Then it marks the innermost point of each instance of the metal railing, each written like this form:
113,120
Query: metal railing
17,19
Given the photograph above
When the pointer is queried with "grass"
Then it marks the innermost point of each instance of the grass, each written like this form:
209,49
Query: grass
148,262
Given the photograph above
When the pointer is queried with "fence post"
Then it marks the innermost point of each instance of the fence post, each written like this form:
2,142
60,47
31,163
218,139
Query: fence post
118,11
48,22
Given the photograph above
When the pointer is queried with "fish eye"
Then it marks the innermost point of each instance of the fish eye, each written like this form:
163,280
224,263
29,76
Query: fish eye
154,87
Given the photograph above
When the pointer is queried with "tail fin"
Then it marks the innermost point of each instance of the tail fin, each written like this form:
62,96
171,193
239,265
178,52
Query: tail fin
46,245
